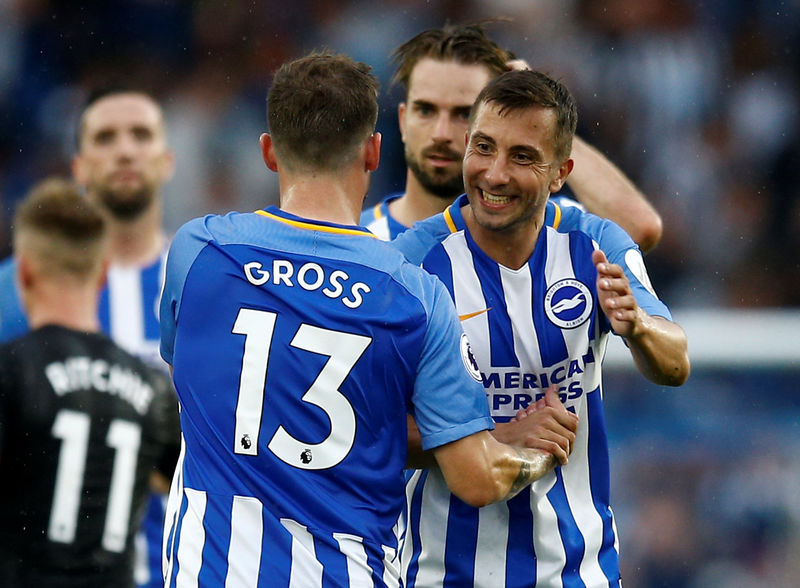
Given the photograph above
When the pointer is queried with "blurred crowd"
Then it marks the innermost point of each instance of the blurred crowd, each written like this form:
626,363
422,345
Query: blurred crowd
696,101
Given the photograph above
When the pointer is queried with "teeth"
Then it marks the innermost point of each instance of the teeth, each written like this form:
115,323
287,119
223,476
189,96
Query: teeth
494,199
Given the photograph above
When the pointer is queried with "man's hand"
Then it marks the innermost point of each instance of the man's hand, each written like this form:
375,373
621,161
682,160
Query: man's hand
616,297
545,425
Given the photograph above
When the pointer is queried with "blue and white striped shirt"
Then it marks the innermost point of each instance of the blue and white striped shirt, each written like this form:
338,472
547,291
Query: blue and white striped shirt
529,328
298,348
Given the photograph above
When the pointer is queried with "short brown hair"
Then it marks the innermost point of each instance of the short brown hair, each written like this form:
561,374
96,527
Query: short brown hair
518,90
320,108
464,44
61,229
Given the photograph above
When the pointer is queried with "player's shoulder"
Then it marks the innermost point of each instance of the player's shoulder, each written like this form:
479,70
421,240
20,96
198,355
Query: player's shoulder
416,242
570,217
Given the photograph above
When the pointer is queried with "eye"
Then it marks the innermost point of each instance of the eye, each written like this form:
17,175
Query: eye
142,134
482,147
424,109
522,159
104,137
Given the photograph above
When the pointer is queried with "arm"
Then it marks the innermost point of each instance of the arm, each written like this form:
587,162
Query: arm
605,191
546,425
480,470
658,345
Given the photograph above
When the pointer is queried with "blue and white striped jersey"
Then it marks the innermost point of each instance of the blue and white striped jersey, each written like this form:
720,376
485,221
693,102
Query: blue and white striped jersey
298,348
529,328
128,312
378,220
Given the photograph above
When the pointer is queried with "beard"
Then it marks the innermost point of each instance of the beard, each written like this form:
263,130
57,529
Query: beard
439,182
125,206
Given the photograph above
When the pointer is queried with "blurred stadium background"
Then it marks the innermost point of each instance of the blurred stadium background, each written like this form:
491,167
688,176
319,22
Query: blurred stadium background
696,101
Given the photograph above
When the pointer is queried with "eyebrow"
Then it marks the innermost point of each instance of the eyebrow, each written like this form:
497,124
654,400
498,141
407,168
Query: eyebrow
534,153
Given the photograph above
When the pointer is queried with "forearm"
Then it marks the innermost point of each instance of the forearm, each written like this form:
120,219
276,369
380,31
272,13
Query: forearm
660,350
607,192
480,470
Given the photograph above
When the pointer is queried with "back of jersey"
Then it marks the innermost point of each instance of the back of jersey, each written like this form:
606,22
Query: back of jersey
82,424
295,349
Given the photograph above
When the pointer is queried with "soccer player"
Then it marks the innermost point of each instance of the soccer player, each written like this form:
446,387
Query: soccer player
82,422
442,72
298,342
122,161
542,298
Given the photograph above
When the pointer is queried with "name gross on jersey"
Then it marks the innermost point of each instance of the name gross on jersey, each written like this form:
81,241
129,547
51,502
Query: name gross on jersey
310,276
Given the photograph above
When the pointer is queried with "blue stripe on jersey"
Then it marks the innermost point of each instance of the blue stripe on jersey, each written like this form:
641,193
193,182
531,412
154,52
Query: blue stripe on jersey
151,294
175,536
462,540
413,528
439,259
552,346
216,523
571,537
601,484
502,339
520,523
334,564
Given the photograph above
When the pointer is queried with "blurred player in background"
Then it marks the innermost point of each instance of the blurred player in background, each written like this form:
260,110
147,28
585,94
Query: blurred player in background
538,299
122,161
82,422
299,341
442,72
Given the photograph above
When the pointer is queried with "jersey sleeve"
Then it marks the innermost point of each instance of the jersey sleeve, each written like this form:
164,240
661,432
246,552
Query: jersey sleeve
448,398
186,246
619,248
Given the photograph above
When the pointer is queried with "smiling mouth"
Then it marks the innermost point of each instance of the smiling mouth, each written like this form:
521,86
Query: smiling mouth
494,199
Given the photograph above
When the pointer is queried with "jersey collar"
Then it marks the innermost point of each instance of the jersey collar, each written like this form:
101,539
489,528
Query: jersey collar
275,213
455,220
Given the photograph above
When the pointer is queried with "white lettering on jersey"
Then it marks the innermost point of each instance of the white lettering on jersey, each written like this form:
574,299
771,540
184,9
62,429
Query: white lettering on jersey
309,276
82,373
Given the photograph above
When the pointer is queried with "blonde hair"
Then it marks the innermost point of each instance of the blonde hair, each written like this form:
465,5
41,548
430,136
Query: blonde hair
63,233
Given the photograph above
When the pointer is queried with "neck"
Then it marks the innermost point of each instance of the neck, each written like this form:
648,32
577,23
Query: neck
73,307
511,247
334,198
417,203
138,241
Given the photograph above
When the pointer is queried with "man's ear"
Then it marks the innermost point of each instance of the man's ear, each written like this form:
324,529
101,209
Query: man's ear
373,152
561,177
268,151
26,275
401,120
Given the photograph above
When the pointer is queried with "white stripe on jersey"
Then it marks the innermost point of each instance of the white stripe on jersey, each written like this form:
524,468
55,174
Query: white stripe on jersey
391,567
172,513
358,570
247,532
380,228
306,570
433,512
492,531
192,539
125,307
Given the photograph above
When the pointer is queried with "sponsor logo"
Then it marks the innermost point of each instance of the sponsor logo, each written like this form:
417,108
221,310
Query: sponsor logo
469,315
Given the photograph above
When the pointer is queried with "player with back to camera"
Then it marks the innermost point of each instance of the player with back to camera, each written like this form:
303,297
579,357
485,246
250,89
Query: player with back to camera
83,423
442,71
298,342
540,288
122,161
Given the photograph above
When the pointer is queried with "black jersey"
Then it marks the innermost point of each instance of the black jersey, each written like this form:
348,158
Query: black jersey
82,425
